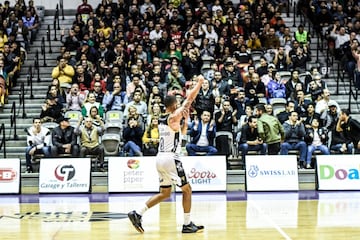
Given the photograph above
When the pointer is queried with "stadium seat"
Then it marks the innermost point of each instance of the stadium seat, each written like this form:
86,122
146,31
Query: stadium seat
111,143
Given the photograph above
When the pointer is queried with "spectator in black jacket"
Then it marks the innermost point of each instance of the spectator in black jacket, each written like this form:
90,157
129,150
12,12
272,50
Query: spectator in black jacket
350,127
294,137
64,139
250,139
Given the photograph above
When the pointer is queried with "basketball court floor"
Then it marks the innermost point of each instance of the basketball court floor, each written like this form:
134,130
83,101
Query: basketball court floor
231,215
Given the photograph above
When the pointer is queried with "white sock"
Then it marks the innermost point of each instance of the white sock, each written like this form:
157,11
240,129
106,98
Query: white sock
142,210
186,218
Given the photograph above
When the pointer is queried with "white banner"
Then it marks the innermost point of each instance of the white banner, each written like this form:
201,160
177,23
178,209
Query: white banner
64,175
10,175
338,173
272,173
206,173
139,174
132,174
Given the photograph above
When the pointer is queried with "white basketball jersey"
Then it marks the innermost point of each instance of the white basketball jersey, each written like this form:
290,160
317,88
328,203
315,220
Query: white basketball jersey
169,139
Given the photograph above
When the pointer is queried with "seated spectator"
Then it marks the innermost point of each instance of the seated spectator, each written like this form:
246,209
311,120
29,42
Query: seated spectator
115,100
32,23
284,115
175,80
38,142
133,85
202,133
151,138
51,110
350,127
90,139
64,139
138,104
133,137
231,73
310,115
294,137
63,72
75,99
55,93
291,84
250,139
301,103
91,102
316,138
339,143
82,78
275,87
255,89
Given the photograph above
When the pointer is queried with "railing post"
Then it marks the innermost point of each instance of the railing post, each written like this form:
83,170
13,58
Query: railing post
37,65
3,141
48,37
13,120
62,9
30,74
294,20
43,51
23,100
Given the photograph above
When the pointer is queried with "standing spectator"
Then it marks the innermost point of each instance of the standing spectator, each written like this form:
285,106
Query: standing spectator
203,135
225,119
84,10
270,130
250,139
38,142
294,137
133,137
90,139
316,138
205,99
64,139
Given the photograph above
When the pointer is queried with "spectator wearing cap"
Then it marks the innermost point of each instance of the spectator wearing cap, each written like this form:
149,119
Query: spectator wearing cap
232,74
255,89
266,78
64,140
90,139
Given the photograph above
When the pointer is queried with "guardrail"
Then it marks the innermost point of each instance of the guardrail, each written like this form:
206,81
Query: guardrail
3,139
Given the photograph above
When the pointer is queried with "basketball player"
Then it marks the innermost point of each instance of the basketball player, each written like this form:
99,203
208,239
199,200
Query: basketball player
168,163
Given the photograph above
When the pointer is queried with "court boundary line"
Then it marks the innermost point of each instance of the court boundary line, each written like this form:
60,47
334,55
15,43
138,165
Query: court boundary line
277,227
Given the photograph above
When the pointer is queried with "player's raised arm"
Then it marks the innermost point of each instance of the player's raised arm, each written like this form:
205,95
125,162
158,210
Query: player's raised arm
178,114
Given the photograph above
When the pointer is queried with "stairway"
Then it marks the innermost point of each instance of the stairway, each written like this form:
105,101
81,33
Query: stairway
16,141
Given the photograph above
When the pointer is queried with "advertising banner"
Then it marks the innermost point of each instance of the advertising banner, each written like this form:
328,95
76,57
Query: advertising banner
64,175
272,173
139,174
338,173
10,175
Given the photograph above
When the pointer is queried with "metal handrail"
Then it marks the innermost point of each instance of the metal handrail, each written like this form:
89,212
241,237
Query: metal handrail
22,99
13,120
3,140
30,81
353,92
43,52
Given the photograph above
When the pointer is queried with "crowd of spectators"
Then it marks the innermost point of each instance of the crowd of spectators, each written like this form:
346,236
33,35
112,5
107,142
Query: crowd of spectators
127,55
19,25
